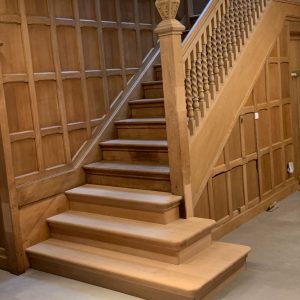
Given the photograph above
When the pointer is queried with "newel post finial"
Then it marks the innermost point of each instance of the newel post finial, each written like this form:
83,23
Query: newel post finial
168,10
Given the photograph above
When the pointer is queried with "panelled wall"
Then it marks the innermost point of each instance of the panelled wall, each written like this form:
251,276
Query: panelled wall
2,239
253,165
64,65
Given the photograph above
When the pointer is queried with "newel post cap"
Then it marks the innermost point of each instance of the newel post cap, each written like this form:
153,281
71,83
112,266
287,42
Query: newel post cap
167,8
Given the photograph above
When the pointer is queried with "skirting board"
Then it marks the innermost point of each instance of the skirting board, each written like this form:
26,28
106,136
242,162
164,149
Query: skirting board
246,216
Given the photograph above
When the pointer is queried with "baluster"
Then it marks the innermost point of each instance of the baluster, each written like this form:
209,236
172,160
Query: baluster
253,11
210,68
249,14
200,85
195,96
233,32
241,21
205,76
216,69
246,19
220,53
257,8
224,46
189,98
228,39
237,27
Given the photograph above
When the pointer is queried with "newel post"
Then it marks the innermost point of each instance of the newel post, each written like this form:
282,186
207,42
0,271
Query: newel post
170,31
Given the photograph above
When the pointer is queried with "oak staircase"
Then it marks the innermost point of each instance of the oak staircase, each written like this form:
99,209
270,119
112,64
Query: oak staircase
123,229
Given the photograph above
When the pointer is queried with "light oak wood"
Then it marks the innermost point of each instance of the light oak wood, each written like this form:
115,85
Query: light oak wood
98,266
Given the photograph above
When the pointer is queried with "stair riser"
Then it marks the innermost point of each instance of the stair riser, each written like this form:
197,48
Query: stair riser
130,182
142,133
138,111
158,73
131,156
128,245
147,216
104,279
154,91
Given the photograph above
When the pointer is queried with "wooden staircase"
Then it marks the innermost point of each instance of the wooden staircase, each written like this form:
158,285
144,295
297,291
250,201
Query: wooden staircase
123,230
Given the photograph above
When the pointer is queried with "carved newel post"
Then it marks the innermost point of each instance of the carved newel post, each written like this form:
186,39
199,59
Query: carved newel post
170,31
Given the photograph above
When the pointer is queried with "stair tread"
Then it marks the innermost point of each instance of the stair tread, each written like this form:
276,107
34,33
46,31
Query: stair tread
175,235
135,143
188,278
126,197
128,167
147,101
142,121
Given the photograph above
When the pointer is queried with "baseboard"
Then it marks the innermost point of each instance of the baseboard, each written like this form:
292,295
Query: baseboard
249,214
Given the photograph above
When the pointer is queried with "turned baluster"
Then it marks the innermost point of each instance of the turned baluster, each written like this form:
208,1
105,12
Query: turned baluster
189,98
235,48
249,14
257,8
246,19
224,46
214,48
229,39
210,68
200,85
241,21
253,12
220,53
194,86
237,27
205,76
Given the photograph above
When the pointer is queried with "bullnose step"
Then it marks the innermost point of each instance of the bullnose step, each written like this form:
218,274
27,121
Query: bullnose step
125,197
128,169
141,277
173,242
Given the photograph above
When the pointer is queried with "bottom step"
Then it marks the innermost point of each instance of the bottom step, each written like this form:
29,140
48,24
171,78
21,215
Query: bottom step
141,277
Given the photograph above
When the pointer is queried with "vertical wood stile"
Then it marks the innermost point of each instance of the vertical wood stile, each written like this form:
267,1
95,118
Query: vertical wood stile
31,83
102,59
60,89
82,68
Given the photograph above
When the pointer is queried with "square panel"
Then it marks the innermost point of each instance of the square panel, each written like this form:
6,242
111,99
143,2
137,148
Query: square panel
260,88
111,48
266,175
108,10
87,10
96,98
234,143
274,83
252,180
90,45
21,150
41,48
115,87
127,10
64,9
47,101
53,150
287,120
77,140
237,188
145,15
18,106
201,210
284,42
276,125
130,48
263,129
74,100
249,133
285,80
277,166
147,41
9,7
289,157
220,196
67,45
36,8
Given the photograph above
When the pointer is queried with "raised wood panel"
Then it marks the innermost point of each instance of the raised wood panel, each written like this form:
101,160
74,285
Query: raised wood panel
253,164
64,63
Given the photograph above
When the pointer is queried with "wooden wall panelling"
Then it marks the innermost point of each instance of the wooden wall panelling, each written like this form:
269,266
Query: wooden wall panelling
252,169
